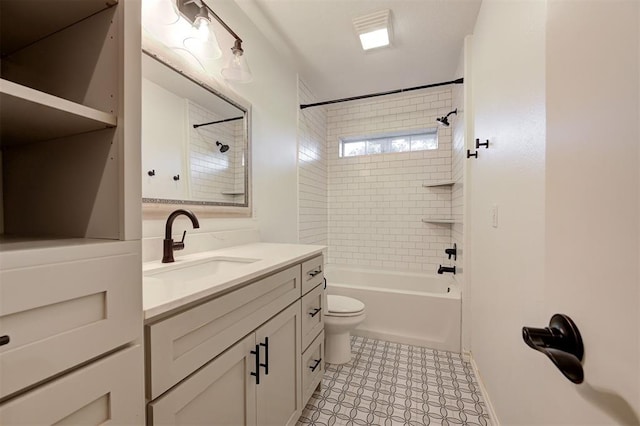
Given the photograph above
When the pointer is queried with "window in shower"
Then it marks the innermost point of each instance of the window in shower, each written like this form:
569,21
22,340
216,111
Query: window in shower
389,142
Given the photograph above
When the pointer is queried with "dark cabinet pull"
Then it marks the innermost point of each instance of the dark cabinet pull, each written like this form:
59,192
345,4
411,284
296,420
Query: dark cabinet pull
314,273
315,312
314,366
257,372
472,154
4,340
266,356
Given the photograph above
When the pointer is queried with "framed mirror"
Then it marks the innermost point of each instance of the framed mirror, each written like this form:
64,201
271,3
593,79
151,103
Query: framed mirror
195,144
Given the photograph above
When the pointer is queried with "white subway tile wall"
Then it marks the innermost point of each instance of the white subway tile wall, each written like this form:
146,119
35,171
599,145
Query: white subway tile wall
377,202
214,172
312,171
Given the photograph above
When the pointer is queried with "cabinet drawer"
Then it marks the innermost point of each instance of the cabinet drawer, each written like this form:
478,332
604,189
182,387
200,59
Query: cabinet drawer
312,274
312,315
312,367
181,344
108,391
60,315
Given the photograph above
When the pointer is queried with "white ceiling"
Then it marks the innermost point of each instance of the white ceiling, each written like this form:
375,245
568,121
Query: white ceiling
427,41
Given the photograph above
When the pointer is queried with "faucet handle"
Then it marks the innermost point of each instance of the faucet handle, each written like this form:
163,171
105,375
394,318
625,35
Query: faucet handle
179,245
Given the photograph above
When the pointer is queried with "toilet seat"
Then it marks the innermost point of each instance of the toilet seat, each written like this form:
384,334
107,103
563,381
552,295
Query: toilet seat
342,306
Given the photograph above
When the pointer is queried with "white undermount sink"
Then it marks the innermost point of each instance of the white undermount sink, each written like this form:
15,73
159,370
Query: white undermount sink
201,268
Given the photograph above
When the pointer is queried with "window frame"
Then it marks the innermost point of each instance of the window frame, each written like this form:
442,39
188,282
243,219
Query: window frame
387,139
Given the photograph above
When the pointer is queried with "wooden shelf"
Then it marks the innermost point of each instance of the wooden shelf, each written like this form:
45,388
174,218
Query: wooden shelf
28,115
24,22
440,220
439,183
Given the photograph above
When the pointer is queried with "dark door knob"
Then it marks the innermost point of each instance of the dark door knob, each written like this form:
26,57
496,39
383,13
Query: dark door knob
561,342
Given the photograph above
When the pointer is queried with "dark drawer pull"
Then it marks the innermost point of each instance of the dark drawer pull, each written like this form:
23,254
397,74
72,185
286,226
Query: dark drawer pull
314,273
315,312
4,340
257,372
314,366
266,356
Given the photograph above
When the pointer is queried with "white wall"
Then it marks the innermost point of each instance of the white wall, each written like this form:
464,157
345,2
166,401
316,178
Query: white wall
273,96
555,88
313,168
507,262
164,129
377,202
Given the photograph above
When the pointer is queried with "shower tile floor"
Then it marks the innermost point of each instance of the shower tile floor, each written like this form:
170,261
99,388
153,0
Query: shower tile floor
395,384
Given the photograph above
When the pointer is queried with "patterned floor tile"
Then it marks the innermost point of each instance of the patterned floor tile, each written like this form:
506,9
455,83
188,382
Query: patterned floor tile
392,384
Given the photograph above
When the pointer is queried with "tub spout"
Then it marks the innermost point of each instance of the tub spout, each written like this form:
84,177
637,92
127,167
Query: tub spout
443,269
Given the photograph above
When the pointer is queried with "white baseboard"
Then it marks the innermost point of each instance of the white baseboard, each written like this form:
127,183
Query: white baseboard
483,390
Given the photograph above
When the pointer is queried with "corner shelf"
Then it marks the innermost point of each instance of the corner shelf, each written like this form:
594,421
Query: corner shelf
439,183
447,220
28,115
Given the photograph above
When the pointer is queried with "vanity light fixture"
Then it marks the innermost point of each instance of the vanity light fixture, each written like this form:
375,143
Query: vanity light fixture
374,29
236,68
188,22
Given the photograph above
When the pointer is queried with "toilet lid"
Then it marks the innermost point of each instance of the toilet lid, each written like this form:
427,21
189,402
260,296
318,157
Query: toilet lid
343,305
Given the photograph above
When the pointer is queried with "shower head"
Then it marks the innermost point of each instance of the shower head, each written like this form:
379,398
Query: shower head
445,120
223,147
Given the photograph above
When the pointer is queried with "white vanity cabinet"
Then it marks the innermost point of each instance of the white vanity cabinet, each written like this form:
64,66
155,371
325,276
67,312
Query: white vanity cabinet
255,382
236,359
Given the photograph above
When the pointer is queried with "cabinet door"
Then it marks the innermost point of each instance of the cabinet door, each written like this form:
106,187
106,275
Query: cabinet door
105,392
223,392
279,394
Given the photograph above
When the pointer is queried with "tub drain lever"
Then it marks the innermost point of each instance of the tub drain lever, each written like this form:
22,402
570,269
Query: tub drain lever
561,342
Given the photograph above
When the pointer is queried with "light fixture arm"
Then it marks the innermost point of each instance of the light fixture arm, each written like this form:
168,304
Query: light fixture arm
224,25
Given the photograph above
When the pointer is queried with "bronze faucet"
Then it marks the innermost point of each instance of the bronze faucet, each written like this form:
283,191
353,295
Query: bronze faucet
168,244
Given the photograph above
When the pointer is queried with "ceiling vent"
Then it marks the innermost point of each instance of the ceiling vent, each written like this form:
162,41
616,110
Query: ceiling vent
374,29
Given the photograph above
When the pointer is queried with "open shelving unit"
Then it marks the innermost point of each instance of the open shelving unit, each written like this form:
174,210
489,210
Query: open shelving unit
62,116
70,272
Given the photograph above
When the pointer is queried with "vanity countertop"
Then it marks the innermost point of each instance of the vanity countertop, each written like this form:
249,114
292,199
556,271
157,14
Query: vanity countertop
163,295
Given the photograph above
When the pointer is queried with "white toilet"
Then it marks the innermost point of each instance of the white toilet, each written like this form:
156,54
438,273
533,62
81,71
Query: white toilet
343,315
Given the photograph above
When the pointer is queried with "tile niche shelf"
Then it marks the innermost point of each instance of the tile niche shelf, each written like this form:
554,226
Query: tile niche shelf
440,220
439,183
28,115
445,220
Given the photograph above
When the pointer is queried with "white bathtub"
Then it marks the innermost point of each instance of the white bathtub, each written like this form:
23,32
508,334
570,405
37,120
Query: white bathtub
412,308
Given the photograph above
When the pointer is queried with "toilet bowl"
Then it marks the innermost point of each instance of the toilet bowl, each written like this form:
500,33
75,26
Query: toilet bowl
343,315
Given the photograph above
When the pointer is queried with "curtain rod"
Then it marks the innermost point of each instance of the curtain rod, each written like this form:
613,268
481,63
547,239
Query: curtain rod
391,92
195,126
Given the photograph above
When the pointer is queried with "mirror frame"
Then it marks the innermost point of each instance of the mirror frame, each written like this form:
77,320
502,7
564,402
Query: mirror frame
154,208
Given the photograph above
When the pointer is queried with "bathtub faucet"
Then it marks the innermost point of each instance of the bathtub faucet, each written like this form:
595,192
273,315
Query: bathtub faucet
443,269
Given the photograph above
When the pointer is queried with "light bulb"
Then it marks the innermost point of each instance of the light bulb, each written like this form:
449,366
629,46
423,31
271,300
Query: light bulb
202,28
202,41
